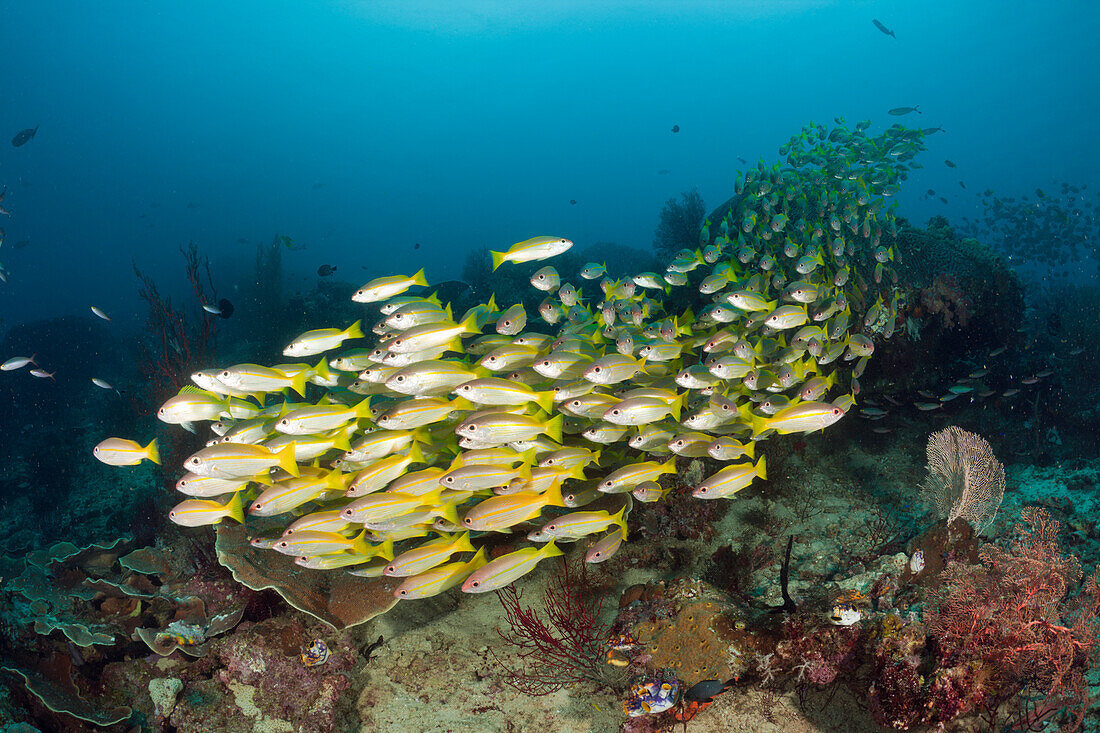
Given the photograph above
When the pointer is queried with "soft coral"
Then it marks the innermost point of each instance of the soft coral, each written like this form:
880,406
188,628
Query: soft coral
1011,614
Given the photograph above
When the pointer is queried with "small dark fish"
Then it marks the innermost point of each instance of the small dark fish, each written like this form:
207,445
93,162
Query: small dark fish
883,28
663,172
326,270
415,246
225,307
242,240
899,111
743,161
23,136
675,128
950,164
193,205
943,199
573,202
22,243
930,130
707,689
962,184
318,185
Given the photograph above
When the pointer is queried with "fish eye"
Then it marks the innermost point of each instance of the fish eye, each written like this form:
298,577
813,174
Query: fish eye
475,584
171,514
467,520
193,461
403,592
595,370
400,378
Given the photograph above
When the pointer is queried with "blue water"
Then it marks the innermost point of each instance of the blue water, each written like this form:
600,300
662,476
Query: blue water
362,128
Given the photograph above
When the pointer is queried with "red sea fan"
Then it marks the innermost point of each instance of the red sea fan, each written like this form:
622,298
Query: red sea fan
1012,614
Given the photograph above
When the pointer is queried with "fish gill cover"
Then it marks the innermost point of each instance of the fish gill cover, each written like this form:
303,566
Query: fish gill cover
473,425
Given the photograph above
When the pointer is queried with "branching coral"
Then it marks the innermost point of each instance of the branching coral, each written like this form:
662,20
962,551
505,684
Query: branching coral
1011,613
564,646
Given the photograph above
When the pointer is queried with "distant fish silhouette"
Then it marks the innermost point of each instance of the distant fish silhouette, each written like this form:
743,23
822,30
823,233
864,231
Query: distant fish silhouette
573,202
22,243
899,111
743,161
23,136
675,128
326,270
663,172
416,246
883,28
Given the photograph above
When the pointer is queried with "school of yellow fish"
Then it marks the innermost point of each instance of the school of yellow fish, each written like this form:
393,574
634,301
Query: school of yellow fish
408,453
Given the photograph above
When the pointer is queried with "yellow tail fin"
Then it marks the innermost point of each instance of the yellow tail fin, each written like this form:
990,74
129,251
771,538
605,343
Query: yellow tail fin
550,550
360,545
286,460
761,468
152,451
469,326
298,381
385,551
498,259
419,278
553,428
234,508
464,544
355,330
545,400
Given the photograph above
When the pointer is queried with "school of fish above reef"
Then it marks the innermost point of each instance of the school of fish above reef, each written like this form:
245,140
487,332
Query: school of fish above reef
485,423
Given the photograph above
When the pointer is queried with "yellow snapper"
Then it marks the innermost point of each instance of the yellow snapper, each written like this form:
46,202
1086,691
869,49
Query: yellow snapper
379,473
581,524
435,581
248,378
432,335
803,417
730,480
508,568
606,546
191,405
429,555
387,505
238,460
498,513
291,493
124,452
321,418
635,473
529,250
418,412
206,486
496,428
201,512
321,340
497,391
382,288
310,543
